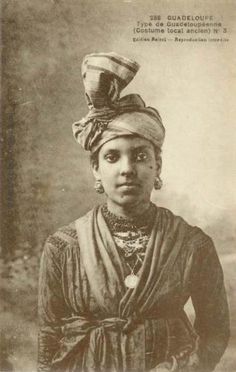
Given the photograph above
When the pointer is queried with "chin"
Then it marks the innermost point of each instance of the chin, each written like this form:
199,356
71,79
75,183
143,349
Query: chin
128,200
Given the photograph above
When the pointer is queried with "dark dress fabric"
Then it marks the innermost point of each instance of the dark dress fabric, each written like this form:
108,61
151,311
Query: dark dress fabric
89,320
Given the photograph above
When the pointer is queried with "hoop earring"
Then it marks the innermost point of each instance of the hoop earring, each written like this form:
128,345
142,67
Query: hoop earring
158,183
98,187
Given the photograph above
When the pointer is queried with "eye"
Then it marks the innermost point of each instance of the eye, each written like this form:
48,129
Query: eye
141,156
111,157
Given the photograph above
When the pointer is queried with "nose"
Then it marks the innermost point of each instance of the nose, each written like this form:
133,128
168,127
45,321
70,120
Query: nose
127,167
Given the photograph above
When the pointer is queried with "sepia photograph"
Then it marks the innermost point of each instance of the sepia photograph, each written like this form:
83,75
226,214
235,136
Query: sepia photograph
118,179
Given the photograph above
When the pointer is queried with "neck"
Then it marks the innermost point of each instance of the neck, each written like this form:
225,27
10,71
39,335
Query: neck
128,210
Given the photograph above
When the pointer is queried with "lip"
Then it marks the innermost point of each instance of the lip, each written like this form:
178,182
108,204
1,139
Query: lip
128,184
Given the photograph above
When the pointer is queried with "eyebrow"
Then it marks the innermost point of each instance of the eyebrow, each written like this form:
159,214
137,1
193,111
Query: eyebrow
142,147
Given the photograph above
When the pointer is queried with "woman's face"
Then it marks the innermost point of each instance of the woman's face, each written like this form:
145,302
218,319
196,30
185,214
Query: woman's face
127,167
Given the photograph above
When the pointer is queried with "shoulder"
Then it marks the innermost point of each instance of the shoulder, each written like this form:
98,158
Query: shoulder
61,240
193,236
168,217
65,237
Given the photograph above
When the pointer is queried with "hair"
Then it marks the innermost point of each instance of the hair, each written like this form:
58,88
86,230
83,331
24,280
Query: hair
158,157
94,156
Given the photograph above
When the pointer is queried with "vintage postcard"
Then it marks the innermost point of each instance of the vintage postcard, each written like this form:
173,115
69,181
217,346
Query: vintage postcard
161,226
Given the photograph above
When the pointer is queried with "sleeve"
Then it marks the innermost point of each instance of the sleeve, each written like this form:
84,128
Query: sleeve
51,306
210,304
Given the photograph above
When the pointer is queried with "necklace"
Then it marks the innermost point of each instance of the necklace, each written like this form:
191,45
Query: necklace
132,279
129,247
131,236
142,222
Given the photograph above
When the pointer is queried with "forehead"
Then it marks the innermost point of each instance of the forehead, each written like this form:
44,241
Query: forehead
126,143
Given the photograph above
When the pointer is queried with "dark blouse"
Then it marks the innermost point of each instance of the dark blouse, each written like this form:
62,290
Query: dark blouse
65,292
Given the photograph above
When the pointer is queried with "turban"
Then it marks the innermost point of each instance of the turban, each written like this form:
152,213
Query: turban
105,75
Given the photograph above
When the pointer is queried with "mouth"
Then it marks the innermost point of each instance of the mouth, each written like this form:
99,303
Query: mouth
128,185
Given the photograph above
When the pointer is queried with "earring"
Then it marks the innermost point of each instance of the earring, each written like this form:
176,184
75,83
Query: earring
158,183
98,187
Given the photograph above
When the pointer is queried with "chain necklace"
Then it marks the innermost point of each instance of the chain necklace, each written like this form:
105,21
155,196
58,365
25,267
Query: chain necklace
131,236
129,253
132,279
130,246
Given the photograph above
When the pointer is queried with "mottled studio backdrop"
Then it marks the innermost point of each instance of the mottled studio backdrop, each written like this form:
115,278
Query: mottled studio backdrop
46,177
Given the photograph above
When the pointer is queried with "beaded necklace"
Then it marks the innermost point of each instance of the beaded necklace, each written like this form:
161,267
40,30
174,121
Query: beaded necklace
131,236
118,223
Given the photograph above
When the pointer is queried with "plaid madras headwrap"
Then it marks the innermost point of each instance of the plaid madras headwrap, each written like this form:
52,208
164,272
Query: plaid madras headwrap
105,75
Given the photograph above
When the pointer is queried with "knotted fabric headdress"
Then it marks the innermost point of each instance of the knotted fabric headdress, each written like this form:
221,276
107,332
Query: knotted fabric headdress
105,75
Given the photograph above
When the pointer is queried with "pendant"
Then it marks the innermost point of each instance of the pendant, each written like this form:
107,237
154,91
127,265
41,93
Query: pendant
131,281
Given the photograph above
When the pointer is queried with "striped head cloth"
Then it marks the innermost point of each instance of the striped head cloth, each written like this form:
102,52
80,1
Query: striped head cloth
105,75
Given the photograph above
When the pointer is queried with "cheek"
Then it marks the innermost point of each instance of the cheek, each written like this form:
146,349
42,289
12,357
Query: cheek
149,169
147,176
107,175
153,167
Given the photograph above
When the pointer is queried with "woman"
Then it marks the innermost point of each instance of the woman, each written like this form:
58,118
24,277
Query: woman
113,284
